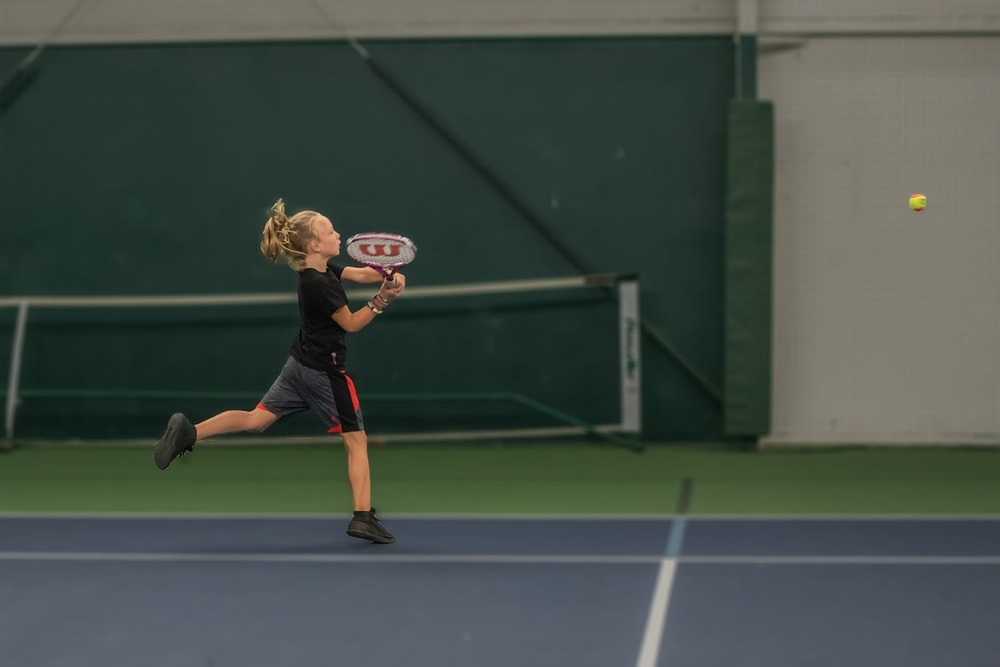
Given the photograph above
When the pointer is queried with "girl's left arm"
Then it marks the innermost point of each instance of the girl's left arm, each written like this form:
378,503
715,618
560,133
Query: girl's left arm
365,274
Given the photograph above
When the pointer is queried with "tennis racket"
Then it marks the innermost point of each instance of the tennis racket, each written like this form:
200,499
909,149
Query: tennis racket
386,253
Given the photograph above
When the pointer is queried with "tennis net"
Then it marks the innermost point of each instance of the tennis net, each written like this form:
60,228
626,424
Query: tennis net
542,358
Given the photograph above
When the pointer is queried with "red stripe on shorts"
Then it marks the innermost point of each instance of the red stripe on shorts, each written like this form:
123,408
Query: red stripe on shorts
354,393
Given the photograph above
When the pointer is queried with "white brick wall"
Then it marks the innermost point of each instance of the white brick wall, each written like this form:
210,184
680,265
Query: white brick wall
867,16
887,322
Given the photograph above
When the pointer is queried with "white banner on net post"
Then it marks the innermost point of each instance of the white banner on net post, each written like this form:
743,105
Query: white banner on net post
631,366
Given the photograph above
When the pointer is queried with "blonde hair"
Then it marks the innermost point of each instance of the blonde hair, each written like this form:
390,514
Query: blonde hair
288,237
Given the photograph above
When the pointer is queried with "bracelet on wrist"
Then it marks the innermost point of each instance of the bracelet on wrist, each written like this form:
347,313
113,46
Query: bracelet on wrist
375,309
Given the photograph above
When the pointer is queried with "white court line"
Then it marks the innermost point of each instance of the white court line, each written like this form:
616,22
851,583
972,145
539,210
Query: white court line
502,516
656,620
498,559
517,559
843,560
323,516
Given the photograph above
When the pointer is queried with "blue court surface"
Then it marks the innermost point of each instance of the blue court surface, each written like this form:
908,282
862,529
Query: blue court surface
485,592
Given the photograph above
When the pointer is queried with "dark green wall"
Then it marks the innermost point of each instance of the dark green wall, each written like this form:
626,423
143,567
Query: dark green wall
148,170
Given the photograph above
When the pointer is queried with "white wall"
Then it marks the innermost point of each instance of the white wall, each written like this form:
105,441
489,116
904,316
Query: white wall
887,322
878,16
29,21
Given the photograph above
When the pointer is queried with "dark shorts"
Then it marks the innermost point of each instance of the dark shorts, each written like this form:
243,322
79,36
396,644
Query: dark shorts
330,395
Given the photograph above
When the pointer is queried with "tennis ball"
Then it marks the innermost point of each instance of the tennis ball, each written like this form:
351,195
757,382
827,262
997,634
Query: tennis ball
918,202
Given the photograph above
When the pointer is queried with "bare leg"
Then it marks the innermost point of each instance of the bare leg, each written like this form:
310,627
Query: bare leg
358,472
235,421
180,436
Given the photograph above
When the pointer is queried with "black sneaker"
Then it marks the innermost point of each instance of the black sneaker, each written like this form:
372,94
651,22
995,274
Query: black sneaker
366,526
177,440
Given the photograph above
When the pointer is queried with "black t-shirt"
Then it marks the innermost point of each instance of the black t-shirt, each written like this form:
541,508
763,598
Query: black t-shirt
321,342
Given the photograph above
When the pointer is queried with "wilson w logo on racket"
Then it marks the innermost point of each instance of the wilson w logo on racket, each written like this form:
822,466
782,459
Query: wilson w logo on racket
385,253
379,250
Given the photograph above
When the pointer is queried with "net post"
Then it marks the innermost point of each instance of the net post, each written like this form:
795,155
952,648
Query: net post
631,358
14,379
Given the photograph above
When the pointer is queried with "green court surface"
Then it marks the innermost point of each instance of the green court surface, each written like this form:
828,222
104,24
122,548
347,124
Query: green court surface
506,479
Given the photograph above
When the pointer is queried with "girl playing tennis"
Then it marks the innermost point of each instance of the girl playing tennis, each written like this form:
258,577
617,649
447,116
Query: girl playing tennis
314,376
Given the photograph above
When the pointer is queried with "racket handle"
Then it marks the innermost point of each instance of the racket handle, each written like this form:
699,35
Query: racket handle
390,280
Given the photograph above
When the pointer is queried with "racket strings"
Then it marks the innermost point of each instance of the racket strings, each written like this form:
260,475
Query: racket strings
401,257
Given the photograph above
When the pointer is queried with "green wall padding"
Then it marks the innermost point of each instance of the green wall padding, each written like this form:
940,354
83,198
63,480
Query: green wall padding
148,169
749,204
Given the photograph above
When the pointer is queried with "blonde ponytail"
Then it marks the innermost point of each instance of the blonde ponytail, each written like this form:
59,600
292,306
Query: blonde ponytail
287,237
